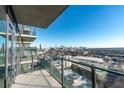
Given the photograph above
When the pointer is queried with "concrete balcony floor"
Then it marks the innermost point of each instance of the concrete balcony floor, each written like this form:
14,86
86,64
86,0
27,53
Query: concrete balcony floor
36,79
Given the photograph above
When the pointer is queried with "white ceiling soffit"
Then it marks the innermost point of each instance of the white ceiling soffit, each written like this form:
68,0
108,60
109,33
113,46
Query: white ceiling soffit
37,15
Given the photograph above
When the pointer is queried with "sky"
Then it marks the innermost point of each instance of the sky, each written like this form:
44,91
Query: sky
86,26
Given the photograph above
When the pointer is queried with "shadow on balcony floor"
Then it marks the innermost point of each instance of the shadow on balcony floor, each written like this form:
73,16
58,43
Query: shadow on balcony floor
36,79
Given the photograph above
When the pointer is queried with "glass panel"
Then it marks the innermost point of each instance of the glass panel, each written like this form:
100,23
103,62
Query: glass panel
109,80
100,78
2,46
25,68
56,69
48,61
29,57
76,76
114,81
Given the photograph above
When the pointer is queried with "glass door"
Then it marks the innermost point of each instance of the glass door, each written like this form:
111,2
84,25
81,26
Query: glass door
2,45
10,55
12,70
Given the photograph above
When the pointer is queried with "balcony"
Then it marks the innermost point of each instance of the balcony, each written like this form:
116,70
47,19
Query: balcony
60,71
18,70
68,72
36,79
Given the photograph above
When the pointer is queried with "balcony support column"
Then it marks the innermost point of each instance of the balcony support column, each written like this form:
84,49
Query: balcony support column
6,51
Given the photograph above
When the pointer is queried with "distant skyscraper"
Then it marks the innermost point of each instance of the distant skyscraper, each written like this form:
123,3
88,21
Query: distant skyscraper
40,47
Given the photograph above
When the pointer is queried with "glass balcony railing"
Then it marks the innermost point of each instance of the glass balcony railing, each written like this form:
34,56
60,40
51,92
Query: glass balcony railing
2,76
76,74
34,32
27,30
30,63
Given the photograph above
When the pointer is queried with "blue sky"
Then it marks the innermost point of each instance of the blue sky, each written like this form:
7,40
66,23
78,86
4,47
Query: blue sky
87,26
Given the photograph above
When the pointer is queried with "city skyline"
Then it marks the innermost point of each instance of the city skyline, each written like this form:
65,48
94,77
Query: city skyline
92,26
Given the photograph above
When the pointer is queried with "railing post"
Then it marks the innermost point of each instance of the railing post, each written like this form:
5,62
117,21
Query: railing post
62,72
50,65
93,73
32,63
46,61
